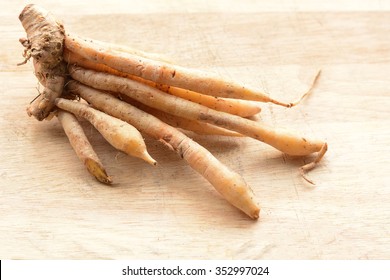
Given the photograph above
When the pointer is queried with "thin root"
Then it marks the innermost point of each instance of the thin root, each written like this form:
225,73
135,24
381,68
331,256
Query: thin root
292,104
307,167
27,56
27,50
24,61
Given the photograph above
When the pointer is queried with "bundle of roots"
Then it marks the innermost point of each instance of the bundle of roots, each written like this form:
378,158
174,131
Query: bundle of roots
126,93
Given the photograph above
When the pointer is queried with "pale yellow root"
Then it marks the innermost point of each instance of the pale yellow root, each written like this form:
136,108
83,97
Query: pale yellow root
243,108
237,107
44,43
83,148
228,183
165,73
281,139
119,134
200,128
124,49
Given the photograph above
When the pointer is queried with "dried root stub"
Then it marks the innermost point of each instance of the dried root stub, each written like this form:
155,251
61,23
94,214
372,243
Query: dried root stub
130,93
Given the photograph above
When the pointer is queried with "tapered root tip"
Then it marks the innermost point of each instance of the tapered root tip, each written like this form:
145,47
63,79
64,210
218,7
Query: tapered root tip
253,211
97,170
302,171
146,157
256,214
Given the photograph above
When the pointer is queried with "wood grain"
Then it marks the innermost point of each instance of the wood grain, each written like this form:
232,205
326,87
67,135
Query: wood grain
51,208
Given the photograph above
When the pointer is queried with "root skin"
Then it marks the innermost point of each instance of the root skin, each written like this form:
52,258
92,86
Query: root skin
198,127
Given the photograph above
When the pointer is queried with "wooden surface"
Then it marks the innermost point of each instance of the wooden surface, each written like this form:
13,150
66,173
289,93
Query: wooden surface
51,208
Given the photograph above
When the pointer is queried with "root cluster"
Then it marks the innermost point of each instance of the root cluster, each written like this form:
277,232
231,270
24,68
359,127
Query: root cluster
125,93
